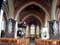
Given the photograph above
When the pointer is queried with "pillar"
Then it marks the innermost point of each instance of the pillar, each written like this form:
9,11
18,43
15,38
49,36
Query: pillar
53,17
2,25
46,20
59,27
37,30
16,29
45,29
58,18
1,16
27,31
53,22
11,9
53,9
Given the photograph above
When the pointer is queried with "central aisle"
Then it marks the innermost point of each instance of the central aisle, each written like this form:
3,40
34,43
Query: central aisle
32,41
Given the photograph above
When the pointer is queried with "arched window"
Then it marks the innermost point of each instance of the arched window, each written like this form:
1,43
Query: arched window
32,29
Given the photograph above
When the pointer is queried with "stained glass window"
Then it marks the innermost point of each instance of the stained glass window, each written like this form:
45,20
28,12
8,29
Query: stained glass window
32,28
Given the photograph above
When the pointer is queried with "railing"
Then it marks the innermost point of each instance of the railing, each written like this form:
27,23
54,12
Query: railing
11,41
47,42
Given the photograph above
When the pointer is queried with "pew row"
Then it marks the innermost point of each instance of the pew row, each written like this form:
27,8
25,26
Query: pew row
11,41
47,42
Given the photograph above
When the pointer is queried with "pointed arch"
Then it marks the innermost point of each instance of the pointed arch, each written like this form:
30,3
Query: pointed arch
34,16
19,11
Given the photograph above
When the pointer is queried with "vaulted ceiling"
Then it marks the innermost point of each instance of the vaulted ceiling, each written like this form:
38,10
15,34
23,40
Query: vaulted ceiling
58,3
45,3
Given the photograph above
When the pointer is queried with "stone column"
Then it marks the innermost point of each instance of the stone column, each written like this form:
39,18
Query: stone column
45,29
46,20
53,18
53,9
3,6
59,27
1,16
11,9
16,29
37,30
27,31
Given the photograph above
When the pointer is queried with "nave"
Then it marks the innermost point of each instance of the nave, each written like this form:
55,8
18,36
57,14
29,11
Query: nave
30,22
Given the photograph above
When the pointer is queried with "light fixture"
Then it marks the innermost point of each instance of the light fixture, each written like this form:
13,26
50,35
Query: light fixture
4,0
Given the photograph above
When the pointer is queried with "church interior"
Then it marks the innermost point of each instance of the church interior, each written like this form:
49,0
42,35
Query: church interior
30,22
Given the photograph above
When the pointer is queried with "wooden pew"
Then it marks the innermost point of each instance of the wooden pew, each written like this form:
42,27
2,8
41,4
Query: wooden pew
12,41
54,42
47,42
25,41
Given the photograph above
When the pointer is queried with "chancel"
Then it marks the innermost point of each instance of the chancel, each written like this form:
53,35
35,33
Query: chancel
30,22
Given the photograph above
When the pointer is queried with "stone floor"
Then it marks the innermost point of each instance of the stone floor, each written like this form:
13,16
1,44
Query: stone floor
32,42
